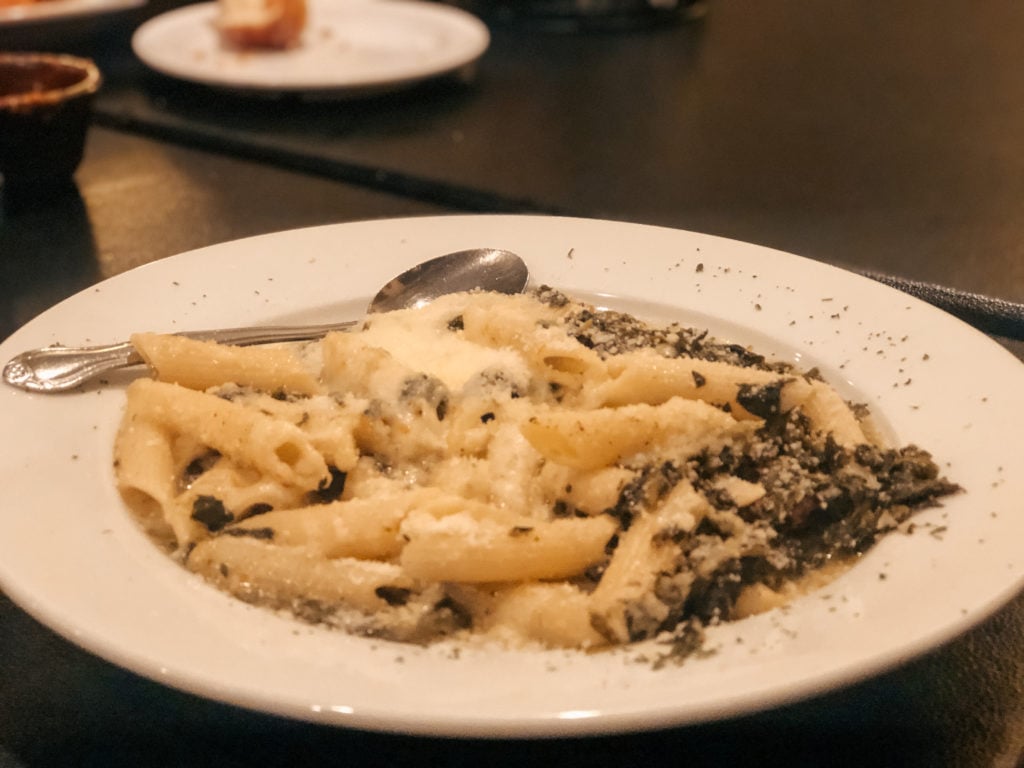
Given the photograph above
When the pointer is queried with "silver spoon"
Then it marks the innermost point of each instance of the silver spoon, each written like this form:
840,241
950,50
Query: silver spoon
58,368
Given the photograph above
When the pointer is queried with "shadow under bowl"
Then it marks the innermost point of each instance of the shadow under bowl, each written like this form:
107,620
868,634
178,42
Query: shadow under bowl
45,109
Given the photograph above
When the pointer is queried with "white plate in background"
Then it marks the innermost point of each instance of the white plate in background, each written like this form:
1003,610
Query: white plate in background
72,556
348,47
60,10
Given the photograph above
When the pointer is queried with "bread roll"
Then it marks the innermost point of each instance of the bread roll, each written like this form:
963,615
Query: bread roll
274,24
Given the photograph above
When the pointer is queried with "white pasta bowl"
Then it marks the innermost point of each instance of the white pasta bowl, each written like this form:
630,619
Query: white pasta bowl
137,608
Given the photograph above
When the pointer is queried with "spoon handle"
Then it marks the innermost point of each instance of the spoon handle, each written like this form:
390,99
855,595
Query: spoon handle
58,369
268,334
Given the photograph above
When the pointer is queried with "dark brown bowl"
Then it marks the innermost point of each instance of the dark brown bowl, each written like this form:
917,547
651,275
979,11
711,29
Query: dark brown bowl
45,108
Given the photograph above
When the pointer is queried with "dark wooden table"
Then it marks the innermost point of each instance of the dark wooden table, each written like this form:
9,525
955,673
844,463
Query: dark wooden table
884,136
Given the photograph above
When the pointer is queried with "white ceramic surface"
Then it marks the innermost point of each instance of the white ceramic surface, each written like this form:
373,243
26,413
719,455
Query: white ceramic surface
47,11
71,555
348,47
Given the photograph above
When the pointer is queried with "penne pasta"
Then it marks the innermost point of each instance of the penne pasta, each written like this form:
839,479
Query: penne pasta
204,364
590,439
527,469
462,548
626,605
553,614
258,571
367,529
250,437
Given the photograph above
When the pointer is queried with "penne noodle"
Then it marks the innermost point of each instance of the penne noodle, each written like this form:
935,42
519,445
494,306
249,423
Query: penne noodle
278,448
626,606
360,528
554,614
204,364
459,547
590,439
258,571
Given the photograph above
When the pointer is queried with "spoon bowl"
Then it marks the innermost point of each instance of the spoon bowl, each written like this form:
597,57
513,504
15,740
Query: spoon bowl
59,368
487,268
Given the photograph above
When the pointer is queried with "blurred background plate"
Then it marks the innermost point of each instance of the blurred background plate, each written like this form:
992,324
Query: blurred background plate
351,46
61,10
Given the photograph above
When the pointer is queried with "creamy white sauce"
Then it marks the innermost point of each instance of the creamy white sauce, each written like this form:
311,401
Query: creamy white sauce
422,341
